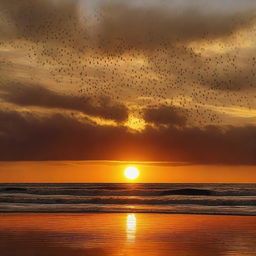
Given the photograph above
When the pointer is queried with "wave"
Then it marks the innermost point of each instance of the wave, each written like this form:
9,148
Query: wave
187,191
175,209
113,191
129,197
127,200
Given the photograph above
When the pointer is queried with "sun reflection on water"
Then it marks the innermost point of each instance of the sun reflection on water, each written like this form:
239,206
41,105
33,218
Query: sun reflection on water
131,227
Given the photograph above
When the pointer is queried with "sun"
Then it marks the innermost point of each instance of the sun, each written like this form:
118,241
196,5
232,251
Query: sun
131,173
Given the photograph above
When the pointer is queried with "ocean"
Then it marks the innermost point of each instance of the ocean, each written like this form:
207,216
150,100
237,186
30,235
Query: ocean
223,199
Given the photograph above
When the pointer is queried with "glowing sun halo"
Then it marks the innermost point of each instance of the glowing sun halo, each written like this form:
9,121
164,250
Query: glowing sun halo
131,173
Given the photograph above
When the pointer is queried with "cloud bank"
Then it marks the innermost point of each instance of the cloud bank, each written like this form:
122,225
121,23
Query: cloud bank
58,137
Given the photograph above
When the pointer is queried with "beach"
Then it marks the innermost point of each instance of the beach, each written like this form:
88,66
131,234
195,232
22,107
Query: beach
122,219
136,234
128,128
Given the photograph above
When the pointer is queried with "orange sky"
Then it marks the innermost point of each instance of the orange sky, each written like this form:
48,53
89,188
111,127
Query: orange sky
83,171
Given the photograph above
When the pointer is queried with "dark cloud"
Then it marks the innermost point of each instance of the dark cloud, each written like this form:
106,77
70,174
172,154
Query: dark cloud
40,20
128,27
212,144
54,137
59,137
165,115
33,95
121,26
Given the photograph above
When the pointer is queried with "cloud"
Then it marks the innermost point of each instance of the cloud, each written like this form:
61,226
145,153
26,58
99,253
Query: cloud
212,144
165,115
58,137
44,20
161,32
122,26
231,71
165,33
32,95
129,27
142,54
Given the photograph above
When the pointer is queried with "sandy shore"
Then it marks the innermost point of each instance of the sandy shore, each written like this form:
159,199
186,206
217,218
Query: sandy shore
136,234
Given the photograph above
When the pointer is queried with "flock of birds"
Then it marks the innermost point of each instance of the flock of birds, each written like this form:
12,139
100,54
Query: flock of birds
199,81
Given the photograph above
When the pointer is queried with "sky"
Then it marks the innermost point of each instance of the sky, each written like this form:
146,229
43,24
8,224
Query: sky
113,172
128,80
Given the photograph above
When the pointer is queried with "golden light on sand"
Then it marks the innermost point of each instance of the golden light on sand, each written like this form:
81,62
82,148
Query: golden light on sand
131,172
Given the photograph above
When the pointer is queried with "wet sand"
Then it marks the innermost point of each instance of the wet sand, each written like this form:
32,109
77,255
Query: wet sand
135,234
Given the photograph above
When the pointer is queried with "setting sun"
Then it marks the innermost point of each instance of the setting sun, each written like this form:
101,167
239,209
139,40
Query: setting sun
131,173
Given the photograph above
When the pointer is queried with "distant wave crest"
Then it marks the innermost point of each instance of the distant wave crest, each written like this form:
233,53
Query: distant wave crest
129,197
